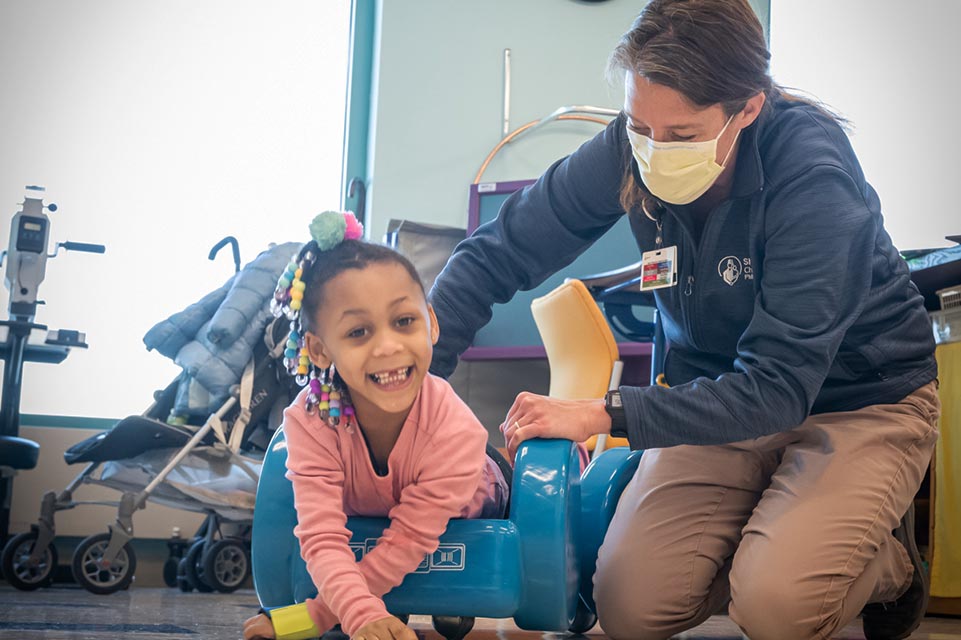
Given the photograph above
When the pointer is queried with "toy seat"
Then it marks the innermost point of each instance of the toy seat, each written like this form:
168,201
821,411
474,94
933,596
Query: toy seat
581,350
524,567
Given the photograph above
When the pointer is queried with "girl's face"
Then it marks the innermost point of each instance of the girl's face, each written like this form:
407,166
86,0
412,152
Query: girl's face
375,325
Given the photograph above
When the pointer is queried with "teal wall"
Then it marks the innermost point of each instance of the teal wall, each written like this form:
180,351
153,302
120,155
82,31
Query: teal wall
437,94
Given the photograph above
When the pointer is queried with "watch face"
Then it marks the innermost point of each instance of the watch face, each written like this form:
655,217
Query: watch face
614,399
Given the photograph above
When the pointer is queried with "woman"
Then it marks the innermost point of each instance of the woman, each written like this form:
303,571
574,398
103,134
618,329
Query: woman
781,464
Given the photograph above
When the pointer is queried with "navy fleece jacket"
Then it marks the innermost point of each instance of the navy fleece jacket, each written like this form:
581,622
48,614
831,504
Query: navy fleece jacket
794,301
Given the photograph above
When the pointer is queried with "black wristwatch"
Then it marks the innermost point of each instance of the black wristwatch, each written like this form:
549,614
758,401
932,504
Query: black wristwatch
615,409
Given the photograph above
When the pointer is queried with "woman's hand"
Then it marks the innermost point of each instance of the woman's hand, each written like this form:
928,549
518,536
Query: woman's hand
534,416
389,628
259,628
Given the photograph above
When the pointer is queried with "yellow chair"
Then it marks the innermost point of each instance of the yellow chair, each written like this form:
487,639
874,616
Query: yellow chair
581,350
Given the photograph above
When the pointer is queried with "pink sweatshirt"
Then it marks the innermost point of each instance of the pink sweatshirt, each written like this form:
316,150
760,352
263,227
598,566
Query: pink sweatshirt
437,470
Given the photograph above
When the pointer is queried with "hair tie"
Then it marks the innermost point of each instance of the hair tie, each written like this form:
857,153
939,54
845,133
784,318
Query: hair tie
330,228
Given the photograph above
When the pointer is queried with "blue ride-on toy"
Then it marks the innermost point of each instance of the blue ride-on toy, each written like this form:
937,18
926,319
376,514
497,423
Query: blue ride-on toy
536,566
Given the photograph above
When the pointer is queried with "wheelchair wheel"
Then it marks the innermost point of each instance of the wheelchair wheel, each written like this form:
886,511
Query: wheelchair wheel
190,573
92,574
584,619
16,566
452,627
226,565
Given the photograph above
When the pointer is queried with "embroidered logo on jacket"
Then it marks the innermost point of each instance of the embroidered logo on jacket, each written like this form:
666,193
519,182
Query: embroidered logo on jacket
731,268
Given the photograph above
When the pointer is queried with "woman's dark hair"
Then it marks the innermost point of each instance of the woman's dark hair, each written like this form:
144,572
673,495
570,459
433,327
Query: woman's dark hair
710,51
349,254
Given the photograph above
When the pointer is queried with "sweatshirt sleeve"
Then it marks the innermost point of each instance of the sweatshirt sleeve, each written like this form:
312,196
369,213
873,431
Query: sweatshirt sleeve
538,230
450,466
816,275
316,470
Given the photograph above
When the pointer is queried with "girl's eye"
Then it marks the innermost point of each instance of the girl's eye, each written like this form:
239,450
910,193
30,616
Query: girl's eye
406,321
683,138
357,333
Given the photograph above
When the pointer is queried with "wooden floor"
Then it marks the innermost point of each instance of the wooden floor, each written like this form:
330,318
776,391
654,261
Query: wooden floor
70,613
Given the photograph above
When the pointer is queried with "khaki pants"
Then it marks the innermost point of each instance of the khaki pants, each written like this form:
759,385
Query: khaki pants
793,530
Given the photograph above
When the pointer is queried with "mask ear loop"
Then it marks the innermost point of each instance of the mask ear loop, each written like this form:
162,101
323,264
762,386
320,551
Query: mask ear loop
733,142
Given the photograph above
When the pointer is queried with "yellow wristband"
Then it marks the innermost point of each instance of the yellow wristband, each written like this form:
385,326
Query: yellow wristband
293,623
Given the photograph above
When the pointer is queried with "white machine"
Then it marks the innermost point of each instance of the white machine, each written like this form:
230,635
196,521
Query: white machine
26,266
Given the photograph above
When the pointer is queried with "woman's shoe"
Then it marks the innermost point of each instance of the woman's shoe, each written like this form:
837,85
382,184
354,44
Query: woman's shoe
898,619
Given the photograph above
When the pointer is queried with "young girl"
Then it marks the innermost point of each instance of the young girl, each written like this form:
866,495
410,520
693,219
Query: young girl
372,434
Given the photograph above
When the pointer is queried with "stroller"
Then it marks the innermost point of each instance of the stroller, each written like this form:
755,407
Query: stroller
199,447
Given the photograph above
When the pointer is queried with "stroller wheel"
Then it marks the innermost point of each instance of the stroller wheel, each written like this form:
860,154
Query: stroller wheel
170,571
194,568
226,565
17,568
94,575
183,582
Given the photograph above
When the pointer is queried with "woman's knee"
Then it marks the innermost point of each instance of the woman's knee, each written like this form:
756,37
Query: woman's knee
635,603
770,606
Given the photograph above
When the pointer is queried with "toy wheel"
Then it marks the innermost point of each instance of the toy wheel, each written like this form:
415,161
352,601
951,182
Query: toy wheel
452,627
194,569
16,563
90,571
171,565
584,619
226,565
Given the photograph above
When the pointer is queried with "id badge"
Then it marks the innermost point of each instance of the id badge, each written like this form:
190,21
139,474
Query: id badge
658,268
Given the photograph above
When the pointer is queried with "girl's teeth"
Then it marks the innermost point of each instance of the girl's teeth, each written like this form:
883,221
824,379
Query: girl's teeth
392,377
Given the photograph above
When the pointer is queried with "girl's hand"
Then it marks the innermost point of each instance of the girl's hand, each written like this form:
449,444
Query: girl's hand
534,416
259,628
389,628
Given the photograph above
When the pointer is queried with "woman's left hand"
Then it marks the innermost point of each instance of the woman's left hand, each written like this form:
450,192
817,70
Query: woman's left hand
535,416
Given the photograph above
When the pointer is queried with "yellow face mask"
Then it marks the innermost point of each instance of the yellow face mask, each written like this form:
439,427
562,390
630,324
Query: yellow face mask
678,172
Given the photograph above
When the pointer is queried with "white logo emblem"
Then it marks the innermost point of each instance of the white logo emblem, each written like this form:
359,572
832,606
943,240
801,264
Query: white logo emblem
729,268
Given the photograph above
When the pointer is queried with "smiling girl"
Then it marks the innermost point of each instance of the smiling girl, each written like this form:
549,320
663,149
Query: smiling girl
372,434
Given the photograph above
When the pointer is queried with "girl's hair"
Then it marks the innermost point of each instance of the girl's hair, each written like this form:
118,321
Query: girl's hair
349,254
711,51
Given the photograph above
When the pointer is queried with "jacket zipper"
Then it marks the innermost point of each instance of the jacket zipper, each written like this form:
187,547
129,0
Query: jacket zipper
686,303
689,310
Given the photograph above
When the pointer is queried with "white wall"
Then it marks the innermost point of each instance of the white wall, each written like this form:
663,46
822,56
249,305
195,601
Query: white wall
891,69
158,128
